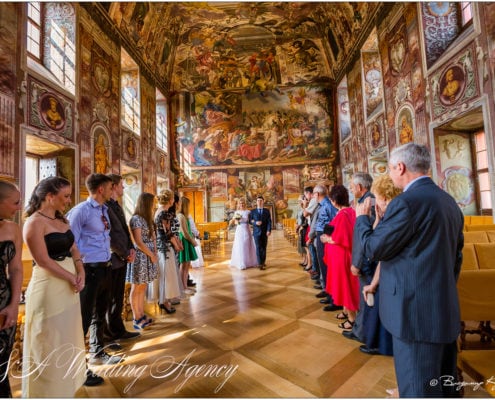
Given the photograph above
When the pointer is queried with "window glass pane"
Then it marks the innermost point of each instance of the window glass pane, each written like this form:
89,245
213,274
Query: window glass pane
484,181
482,159
31,164
34,12
486,201
480,141
466,12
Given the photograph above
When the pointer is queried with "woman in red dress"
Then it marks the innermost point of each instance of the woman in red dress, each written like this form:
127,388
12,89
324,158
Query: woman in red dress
341,284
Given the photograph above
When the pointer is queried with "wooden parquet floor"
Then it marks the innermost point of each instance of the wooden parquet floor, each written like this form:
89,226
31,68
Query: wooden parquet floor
245,334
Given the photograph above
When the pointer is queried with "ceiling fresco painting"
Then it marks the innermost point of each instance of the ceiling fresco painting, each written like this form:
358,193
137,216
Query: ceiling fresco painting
253,46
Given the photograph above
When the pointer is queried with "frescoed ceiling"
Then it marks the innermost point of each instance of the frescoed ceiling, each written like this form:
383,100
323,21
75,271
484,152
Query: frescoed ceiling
250,46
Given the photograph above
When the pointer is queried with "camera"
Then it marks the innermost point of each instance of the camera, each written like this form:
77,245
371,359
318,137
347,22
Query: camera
372,202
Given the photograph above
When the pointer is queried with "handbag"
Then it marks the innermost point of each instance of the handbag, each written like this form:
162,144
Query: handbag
176,243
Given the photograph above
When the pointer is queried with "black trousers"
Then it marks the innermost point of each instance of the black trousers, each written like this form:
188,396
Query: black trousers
94,304
261,242
115,325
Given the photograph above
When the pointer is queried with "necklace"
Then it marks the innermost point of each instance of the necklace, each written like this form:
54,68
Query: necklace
46,216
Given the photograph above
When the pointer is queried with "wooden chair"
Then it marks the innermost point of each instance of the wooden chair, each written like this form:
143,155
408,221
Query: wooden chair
477,303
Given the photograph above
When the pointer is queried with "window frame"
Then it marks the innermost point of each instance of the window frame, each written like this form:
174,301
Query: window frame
485,170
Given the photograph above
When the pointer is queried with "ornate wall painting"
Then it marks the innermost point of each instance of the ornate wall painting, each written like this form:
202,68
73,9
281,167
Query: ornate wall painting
378,162
454,163
372,83
405,125
344,112
402,92
454,84
304,61
231,129
347,171
397,48
101,76
218,183
291,182
440,22
8,44
418,85
131,148
376,136
49,110
162,163
489,20
256,184
101,149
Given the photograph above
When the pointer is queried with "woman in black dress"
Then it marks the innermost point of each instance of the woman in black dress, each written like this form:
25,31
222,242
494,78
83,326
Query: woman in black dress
10,289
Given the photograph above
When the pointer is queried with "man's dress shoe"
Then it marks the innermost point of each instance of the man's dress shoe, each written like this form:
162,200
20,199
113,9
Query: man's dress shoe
365,349
350,335
332,307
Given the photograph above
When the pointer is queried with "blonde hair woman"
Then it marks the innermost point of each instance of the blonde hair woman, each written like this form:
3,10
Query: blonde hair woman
168,280
377,339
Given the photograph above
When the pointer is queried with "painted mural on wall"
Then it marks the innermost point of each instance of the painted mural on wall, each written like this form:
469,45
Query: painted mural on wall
405,124
376,133
50,110
101,150
378,162
148,134
99,76
343,111
489,15
440,21
8,44
238,129
455,169
372,85
8,84
454,84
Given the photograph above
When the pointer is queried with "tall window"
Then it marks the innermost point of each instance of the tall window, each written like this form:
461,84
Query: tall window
129,95
161,122
34,29
51,39
482,173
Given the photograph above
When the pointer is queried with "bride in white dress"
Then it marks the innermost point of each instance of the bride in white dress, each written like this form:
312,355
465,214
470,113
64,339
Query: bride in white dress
243,249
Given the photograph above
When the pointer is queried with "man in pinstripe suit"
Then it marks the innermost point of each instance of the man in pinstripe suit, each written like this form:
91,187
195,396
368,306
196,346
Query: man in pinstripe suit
419,243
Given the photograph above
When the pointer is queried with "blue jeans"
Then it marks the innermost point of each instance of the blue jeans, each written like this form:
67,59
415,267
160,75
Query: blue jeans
320,251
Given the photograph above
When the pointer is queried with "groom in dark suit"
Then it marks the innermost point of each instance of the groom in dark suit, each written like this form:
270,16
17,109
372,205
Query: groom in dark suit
419,244
262,227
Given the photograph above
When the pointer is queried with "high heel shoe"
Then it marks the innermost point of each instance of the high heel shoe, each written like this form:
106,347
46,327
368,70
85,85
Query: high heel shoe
163,307
138,323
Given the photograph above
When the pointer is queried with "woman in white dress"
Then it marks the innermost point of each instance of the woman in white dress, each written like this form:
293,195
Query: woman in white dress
243,249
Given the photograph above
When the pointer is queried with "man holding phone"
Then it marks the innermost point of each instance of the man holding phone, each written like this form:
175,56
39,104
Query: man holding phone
360,187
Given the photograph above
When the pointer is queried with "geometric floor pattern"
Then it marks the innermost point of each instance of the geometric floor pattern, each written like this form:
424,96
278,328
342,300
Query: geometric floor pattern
245,334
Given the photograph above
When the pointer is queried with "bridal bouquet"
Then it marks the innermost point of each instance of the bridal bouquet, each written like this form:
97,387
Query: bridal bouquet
237,216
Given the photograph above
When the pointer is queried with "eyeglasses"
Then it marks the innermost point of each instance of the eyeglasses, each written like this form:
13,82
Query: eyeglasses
105,220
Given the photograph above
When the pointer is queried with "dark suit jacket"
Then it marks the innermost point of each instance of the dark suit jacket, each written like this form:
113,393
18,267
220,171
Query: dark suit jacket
419,243
120,238
361,262
266,222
